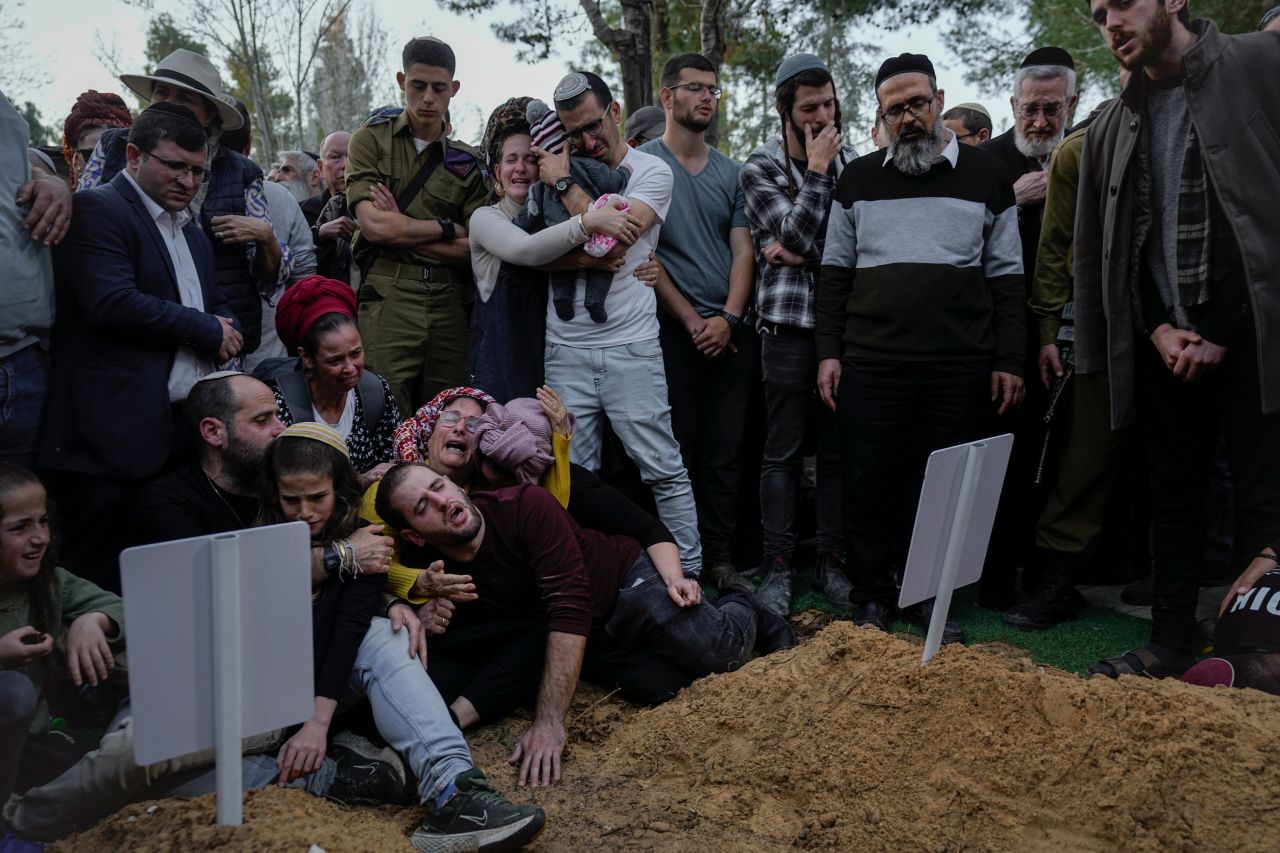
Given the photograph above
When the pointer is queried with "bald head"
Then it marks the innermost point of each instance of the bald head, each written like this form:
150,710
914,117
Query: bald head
333,161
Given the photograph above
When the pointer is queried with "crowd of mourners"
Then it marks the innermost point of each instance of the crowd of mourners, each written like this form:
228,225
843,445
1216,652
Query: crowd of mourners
532,398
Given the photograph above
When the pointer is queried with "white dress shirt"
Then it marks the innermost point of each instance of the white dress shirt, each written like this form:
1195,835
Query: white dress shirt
188,365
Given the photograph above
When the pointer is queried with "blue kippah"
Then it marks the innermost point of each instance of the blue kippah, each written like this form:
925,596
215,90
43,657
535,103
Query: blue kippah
795,64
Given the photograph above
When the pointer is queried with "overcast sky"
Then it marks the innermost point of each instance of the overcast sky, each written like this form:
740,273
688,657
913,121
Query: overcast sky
63,36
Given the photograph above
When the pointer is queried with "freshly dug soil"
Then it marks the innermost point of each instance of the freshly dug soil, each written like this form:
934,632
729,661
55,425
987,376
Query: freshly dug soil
847,742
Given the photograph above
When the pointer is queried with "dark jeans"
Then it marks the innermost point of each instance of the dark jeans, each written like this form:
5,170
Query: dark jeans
892,416
1180,423
651,647
496,665
708,406
24,382
789,360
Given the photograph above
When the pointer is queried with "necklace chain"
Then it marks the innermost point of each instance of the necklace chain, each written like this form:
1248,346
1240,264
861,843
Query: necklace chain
223,498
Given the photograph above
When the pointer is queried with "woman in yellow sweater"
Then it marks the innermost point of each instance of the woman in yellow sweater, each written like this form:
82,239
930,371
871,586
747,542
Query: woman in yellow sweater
440,435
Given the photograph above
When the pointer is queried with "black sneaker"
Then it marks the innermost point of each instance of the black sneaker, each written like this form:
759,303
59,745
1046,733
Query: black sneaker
1055,601
367,776
920,615
477,818
725,578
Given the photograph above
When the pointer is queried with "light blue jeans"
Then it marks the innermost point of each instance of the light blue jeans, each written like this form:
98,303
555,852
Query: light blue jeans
628,384
406,707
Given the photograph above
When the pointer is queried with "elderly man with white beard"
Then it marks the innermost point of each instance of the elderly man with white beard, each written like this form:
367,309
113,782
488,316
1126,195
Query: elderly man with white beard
1043,101
920,321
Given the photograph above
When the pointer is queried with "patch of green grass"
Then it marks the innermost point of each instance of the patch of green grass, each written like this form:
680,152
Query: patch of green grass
1073,646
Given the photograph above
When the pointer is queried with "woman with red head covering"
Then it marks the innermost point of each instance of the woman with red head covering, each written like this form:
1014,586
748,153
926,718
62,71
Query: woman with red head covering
316,319
92,113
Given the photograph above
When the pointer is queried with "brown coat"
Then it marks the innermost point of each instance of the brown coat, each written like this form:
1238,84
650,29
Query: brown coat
1234,102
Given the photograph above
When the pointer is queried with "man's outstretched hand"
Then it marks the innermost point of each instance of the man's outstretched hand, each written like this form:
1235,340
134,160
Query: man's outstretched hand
538,754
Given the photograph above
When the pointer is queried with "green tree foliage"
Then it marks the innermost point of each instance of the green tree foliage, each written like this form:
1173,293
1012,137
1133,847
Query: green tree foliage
39,133
992,36
745,39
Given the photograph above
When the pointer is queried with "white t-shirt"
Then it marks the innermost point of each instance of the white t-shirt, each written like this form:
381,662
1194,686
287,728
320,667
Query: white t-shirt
631,305
345,421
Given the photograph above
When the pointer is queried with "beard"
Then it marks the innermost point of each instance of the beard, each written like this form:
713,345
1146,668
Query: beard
242,462
462,535
300,191
690,120
1039,148
917,155
1157,38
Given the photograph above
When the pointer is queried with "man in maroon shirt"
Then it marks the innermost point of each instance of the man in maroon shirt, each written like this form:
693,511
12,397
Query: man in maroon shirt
607,607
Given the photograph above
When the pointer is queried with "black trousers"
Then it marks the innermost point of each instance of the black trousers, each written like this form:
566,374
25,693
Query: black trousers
892,416
96,511
1180,423
709,399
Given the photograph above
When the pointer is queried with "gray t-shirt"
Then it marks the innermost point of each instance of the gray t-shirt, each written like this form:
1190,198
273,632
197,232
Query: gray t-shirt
1169,130
26,297
694,244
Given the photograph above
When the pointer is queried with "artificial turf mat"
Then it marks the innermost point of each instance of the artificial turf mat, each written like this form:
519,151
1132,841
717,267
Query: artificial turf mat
1073,646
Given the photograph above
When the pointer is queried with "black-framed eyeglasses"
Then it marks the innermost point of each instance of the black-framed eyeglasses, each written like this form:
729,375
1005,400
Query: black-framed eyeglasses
1052,110
86,153
451,418
918,107
699,88
963,137
178,168
591,128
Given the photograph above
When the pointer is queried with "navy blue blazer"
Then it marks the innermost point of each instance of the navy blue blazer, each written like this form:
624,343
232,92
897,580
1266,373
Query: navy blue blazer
119,325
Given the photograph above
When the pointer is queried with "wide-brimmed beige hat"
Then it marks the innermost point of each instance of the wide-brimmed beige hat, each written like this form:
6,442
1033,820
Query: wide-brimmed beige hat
193,72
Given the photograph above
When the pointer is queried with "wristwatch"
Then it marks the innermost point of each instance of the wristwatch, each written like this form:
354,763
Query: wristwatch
734,321
564,183
447,230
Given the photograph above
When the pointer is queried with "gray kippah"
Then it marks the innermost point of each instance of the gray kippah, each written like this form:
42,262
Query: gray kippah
795,64
570,86
646,122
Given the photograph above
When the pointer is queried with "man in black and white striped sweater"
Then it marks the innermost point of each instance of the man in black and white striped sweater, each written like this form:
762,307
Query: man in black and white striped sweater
920,328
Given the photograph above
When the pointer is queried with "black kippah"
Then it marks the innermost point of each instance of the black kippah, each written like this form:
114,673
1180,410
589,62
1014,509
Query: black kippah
1049,56
177,110
905,63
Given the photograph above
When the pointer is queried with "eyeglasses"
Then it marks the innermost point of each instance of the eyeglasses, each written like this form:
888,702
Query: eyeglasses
918,107
698,88
451,418
1032,110
86,153
591,128
961,138
178,168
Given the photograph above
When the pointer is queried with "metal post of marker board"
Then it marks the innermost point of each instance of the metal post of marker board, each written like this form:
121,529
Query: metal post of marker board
957,507
225,583
193,607
955,540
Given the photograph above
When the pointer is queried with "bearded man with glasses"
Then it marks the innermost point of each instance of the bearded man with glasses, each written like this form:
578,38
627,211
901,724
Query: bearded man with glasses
615,368
920,322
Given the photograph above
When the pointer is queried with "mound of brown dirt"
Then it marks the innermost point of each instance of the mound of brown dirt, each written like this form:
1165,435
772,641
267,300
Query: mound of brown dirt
847,742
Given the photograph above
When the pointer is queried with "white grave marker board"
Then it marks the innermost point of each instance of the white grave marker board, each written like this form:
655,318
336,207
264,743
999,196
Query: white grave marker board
957,507
169,595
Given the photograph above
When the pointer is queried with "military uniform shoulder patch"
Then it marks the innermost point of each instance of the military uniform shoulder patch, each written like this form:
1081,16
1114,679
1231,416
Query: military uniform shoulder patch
382,115
461,160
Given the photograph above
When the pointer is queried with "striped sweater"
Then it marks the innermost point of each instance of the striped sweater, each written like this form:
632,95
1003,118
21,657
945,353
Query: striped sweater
923,268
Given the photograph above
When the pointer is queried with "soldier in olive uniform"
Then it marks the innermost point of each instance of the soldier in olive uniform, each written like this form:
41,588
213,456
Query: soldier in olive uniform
412,189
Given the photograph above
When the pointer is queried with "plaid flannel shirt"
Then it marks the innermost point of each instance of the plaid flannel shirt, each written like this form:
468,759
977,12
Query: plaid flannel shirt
784,294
